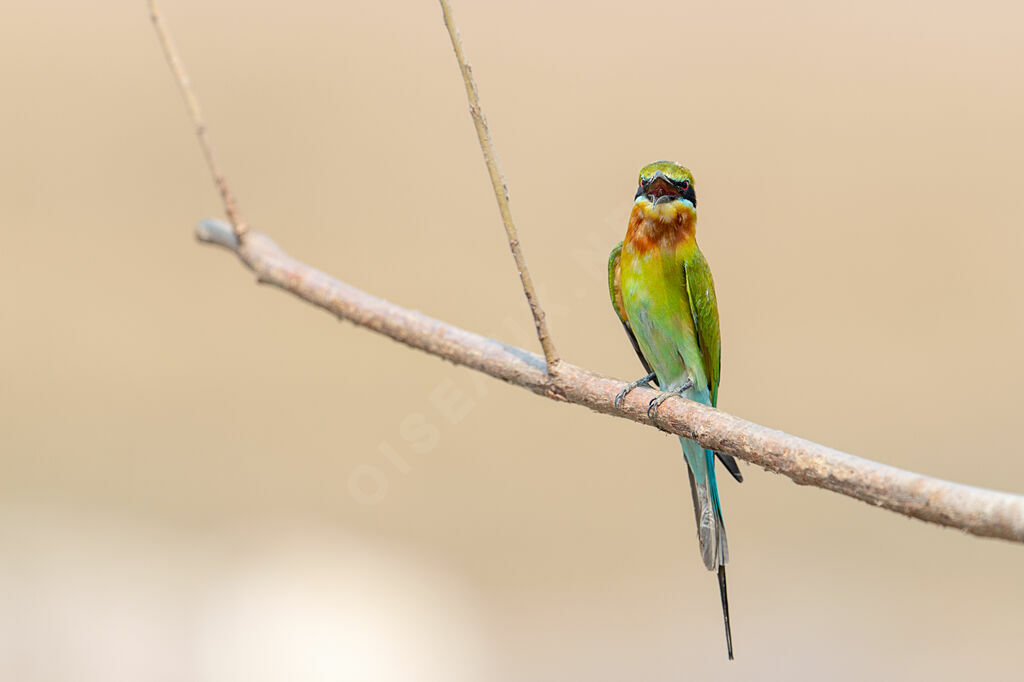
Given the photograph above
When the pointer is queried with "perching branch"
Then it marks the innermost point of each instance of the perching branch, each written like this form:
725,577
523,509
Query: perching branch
974,510
500,191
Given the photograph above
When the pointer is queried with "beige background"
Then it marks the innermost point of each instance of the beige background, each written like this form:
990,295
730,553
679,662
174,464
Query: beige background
178,446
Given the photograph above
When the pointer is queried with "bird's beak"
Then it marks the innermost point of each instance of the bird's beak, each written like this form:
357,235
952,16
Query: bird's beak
659,189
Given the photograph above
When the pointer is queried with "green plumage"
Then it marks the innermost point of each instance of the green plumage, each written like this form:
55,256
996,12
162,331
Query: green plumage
704,308
666,300
662,290
673,301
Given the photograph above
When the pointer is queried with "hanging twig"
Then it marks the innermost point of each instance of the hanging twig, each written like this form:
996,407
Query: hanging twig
185,83
500,192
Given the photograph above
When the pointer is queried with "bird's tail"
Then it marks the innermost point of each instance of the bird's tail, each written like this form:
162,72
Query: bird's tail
707,509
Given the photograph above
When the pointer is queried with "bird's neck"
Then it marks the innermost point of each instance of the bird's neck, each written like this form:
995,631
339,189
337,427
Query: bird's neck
662,226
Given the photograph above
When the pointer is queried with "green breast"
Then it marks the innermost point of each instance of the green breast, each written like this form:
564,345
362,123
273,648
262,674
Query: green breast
654,296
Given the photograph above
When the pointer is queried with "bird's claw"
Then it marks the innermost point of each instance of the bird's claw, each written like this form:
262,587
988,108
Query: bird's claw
652,407
643,381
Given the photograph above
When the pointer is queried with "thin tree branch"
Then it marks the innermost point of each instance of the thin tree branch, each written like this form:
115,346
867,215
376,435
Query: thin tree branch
500,191
185,83
974,510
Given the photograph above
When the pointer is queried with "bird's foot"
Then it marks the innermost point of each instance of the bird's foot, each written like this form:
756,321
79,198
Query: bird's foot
652,407
643,381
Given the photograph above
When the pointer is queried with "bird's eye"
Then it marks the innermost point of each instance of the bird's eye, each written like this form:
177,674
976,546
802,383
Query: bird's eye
685,185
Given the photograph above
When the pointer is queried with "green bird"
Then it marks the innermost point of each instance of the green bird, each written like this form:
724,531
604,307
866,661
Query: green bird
661,289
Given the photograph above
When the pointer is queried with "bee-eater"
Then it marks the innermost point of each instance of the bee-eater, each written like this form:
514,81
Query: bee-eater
662,291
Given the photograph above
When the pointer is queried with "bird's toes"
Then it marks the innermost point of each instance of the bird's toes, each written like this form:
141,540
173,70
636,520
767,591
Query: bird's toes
621,396
652,407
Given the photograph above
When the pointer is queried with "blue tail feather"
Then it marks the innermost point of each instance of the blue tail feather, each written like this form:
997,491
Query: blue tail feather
707,507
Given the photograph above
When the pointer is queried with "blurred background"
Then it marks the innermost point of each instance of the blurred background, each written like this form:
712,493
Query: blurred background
204,479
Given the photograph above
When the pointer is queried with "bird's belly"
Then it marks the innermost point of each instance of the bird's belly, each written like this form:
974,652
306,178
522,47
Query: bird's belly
660,331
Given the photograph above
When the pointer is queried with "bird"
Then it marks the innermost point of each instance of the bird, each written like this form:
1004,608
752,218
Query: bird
661,289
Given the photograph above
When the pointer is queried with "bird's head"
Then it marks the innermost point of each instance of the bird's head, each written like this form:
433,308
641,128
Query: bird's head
664,181
666,194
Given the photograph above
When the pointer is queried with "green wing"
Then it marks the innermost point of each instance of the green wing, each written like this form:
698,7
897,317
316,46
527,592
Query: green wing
700,289
704,307
615,291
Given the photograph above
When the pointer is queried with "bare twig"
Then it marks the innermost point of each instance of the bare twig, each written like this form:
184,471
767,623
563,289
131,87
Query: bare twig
974,510
500,192
174,60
